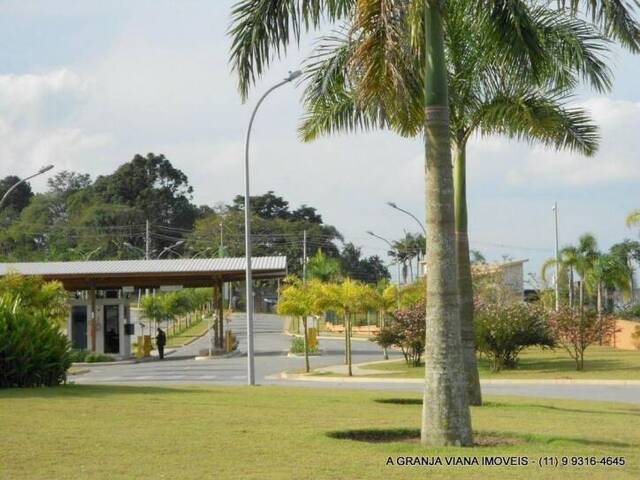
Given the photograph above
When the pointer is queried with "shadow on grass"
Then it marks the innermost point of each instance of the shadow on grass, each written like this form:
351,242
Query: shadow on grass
412,435
400,401
92,391
373,435
619,411
481,439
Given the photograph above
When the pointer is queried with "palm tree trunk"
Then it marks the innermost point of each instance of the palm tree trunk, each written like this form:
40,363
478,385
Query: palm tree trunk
465,285
306,345
446,419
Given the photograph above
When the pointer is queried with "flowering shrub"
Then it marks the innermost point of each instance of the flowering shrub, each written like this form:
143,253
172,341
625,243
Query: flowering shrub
406,330
503,330
575,330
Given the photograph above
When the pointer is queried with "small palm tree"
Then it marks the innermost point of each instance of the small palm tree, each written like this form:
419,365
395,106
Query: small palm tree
296,299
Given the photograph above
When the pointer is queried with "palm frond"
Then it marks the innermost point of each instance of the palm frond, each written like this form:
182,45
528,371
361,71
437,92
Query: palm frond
531,116
573,49
633,218
615,17
329,100
261,30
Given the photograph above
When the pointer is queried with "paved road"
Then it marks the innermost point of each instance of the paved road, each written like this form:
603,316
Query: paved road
271,358
271,347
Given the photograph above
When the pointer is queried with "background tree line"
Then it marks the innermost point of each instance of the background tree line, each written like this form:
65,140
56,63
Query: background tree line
79,218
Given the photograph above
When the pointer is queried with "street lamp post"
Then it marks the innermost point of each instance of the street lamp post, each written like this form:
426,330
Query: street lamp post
397,265
424,230
384,350
15,185
557,285
393,205
251,379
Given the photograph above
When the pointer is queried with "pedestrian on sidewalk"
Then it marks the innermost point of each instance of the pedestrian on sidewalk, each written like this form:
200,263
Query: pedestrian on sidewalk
161,341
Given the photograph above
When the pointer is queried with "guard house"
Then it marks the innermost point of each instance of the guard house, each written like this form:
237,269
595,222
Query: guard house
101,291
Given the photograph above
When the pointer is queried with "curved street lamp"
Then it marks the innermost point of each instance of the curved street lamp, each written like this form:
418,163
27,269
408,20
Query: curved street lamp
251,379
393,205
15,185
397,265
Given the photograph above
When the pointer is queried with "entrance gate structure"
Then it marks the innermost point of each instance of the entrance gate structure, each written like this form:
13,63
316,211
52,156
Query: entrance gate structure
101,292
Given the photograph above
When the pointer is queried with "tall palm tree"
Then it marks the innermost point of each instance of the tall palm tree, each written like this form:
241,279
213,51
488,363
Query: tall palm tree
263,29
607,271
489,96
628,251
586,254
568,261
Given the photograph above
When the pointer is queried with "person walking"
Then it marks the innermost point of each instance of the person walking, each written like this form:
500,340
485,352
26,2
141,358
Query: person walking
161,341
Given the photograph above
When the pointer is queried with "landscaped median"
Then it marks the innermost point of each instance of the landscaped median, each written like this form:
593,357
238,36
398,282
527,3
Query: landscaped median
273,432
602,365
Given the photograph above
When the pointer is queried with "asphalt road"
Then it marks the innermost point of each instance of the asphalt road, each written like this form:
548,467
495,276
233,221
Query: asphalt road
271,346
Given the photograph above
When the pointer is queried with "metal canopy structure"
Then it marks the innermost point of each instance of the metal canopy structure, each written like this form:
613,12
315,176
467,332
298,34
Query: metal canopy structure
199,272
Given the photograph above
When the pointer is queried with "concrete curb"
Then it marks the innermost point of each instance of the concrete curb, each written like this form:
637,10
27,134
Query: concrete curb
235,353
324,337
311,378
490,381
123,362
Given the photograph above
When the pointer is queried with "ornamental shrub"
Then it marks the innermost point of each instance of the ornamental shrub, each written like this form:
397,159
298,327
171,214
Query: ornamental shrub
576,329
33,350
407,331
503,330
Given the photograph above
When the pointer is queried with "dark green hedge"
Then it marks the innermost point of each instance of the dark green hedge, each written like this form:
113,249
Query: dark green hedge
33,350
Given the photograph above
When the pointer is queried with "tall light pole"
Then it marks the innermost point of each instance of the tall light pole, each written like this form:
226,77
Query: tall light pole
15,185
555,214
393,205
397,265
251,378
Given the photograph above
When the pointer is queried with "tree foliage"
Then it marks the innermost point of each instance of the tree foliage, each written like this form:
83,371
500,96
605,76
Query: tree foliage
406,330
576,329
503,330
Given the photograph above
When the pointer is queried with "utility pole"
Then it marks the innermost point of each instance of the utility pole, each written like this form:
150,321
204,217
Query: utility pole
557,286
147,240
221,239
304,256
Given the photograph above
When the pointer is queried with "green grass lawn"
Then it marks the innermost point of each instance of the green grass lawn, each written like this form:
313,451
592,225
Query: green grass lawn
271,432
187,335
600,363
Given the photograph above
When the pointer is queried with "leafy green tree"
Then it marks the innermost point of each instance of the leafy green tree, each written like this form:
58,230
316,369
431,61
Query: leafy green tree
503,330
152,185
323,268
16,201
576,329
366,269
276,230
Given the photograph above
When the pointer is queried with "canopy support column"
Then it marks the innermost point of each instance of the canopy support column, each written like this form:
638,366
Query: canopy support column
93,313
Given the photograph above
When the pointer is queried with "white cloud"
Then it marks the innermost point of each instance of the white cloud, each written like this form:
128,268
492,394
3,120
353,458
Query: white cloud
37,121
617,159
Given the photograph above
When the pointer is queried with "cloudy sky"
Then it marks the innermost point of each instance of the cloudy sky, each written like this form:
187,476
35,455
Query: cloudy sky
86,85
